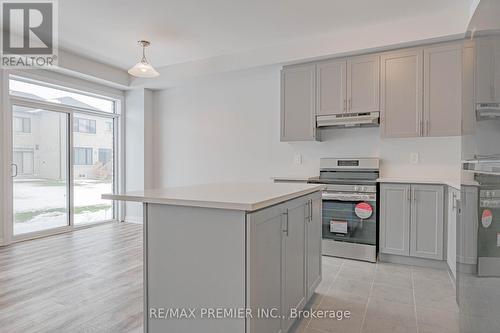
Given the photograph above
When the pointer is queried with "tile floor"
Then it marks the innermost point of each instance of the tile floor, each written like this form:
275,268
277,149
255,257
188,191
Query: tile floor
383,298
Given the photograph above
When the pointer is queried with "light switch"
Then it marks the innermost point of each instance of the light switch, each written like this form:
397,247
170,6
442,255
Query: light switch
414,158
297,159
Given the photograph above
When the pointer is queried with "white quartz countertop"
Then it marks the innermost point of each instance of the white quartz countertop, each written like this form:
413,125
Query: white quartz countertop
448,182
235,196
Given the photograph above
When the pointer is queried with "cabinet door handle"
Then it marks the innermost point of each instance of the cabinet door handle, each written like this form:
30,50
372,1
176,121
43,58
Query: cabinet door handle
286,223
407,194
350,104
421,129
345,104
413,195
310,210
428,127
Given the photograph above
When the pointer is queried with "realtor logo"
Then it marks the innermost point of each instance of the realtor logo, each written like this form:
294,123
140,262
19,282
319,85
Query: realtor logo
29,33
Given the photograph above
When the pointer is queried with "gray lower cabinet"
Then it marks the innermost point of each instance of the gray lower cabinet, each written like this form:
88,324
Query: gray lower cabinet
427,221
298,103
395,219
284,261
467,229
313,243
266,246
294,264
412,220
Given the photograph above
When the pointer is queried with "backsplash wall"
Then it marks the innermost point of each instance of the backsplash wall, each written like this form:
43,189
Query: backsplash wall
226,128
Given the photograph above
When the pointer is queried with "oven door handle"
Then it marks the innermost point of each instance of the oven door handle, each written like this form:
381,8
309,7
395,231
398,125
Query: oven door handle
347,198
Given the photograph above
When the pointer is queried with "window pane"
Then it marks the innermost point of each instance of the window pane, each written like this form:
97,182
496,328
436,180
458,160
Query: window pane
40,186
26,125
93,170
54,95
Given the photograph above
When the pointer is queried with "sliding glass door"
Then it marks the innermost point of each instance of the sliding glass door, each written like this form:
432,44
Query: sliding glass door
93,167
40,164
64,153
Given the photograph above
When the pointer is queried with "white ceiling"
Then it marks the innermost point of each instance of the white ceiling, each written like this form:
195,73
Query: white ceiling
187,30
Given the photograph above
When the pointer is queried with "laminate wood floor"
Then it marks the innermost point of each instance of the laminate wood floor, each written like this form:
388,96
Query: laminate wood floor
89,280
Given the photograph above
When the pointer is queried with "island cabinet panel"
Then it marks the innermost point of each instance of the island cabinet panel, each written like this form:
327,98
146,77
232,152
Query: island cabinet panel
284,262
194,259
401,93
294,264
266,255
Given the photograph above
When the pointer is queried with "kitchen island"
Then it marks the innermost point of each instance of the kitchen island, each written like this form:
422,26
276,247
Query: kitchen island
229,257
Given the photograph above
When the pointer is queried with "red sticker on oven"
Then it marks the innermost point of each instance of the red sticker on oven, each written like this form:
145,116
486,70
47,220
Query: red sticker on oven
486,218
363,210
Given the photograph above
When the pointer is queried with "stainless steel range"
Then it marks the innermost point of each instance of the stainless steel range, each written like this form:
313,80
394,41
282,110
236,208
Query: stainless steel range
349,207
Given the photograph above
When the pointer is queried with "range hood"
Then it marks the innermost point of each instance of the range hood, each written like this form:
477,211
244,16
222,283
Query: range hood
349,120
487,111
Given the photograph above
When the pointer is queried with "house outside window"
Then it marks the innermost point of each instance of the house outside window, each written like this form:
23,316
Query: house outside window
105,155
108,126
22,125
82,125
83,156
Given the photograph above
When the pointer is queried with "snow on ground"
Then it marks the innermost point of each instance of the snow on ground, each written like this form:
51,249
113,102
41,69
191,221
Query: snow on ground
41,204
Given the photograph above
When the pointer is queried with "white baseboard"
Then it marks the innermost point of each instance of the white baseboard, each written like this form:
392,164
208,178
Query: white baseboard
404,260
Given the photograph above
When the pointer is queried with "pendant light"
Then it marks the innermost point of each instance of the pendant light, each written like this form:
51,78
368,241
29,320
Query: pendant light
143,68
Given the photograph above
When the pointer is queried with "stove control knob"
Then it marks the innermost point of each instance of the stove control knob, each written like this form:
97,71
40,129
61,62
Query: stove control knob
356,188
363,189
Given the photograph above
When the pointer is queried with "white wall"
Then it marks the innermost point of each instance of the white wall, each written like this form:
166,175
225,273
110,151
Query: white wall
226,127
138,147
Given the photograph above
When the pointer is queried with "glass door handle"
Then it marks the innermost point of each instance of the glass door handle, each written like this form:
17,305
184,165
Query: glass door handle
15,168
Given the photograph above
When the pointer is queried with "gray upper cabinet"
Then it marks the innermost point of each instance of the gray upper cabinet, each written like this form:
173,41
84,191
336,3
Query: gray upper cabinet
395,219
331,95
401,89
412,220
468,100
313,243
427,221
363,84
350,85
442,90
488,70
298,97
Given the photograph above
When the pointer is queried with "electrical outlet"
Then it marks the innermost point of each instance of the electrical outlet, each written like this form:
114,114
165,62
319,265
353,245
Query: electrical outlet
297,159
414,158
